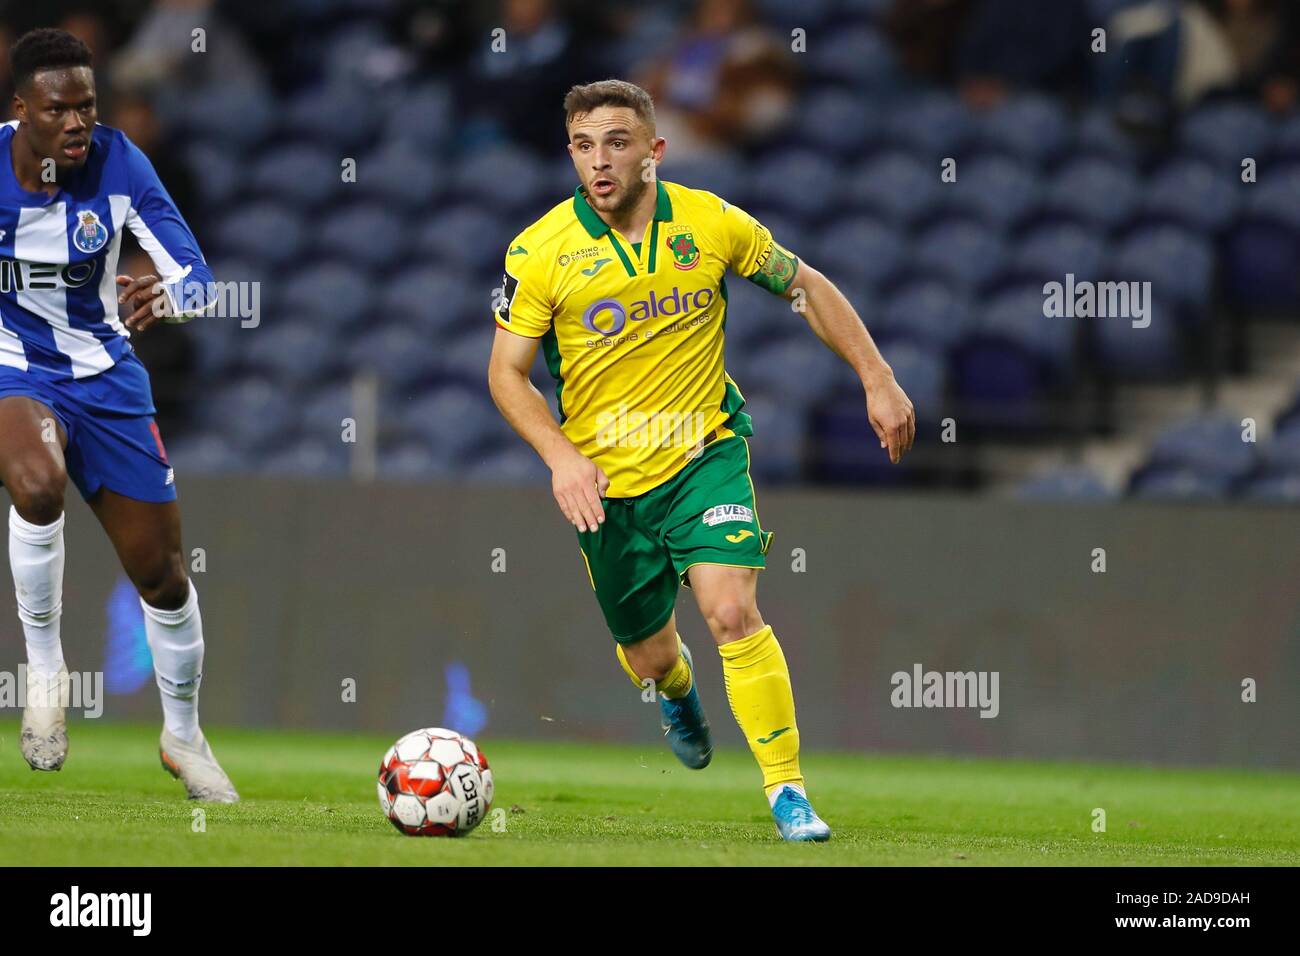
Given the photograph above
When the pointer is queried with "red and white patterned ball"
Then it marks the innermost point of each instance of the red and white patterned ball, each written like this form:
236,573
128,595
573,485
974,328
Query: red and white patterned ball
435,782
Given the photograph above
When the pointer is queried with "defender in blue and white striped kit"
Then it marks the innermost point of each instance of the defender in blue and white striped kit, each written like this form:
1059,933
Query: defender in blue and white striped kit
74,399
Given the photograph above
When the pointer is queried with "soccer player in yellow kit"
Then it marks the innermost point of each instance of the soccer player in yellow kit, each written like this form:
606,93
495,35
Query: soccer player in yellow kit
623,288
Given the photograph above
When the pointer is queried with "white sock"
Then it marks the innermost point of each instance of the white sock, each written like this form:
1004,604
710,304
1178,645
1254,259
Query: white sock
176,640
776,792
36,559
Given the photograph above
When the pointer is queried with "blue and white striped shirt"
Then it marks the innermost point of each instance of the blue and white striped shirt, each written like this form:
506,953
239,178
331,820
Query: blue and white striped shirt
58,258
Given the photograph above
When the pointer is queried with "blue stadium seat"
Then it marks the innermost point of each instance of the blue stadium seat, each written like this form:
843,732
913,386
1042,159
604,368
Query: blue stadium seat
1050,252
332,294
463,236
219,175
960,250
254,414
860,249
397,175
1281,454
298,174
1226,132
454,420
754,317
504,179
896,186
322,410
1177,262
412,459
465,359
858,57
994,189
231,117
309,455
777,445
398,352
722,175
1178,484
1065,484
435,300
777,178
341,118
1099,136
1031,127
513,464
807,369
838,122
933,124
923,374
1093,190
1289,416
291,351
1151,353
1260,255
270,234
371,235
422,118
1286,142
1273,488
927,312
206,452
1193,194
1209,444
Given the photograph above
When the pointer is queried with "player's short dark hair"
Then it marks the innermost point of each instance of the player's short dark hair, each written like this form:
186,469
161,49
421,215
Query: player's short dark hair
586,97
45,49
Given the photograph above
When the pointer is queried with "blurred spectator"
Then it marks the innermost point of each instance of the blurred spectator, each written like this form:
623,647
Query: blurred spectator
1263,37
517,91
725,83
134,115
162,50
992,47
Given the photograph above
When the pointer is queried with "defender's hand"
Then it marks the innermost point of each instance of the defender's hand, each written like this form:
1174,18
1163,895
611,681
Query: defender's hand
891,415
145,296
578,484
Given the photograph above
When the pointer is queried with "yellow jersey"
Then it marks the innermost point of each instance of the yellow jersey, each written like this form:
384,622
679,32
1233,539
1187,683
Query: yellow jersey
633,332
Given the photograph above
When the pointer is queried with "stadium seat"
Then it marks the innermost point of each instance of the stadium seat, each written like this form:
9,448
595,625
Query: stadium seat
411,459
780,179
434,300
372,235
332,295
1099,192
340,118
310,455
897,187
807,369
206,452
1033,128
861,249
505,179
398,352
270,234
465,236
1097,135
233,117
1065,484
297,174
1273,488
456,421
255,414
1281,454
292,351
1124,352
961,251
465,359
858,57
933,125
777,445
998,191
1227,132
219,174
1050,252
512,463
839,122
1286,141
397,175
1192,194
1177,262
1209,444
1178,484
421,118
1261,252
925,312
722,175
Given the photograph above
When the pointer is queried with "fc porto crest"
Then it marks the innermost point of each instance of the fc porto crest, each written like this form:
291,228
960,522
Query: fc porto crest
681,243
90,234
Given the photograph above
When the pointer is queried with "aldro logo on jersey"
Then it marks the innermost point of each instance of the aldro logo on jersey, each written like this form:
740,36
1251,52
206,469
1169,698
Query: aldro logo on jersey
606,317
89,235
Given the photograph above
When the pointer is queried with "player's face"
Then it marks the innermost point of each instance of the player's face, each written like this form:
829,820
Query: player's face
59,109
614,154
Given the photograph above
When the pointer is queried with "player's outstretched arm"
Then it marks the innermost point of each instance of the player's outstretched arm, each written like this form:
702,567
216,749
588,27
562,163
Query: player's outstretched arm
577,482
837,323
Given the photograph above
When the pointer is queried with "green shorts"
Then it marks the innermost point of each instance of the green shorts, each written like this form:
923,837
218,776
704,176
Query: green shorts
704,514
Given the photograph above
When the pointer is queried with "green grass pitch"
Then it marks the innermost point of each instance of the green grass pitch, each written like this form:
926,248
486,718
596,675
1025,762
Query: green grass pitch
309,799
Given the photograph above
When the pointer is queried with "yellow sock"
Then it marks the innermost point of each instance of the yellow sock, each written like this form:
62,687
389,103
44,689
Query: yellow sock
758,689
676,683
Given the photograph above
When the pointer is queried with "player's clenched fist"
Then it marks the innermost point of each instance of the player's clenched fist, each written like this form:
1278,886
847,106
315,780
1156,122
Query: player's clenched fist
146,298
579,484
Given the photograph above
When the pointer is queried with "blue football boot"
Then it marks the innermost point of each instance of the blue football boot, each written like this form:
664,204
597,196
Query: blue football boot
685,725
796,820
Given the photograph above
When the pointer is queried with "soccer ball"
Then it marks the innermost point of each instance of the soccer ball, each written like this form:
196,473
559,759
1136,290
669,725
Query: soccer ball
434,782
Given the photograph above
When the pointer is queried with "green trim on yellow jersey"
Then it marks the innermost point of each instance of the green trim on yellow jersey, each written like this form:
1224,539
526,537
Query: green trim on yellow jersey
636,353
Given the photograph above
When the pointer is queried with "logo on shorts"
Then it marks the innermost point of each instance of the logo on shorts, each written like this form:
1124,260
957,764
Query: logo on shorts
90,234
720,514
171,477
